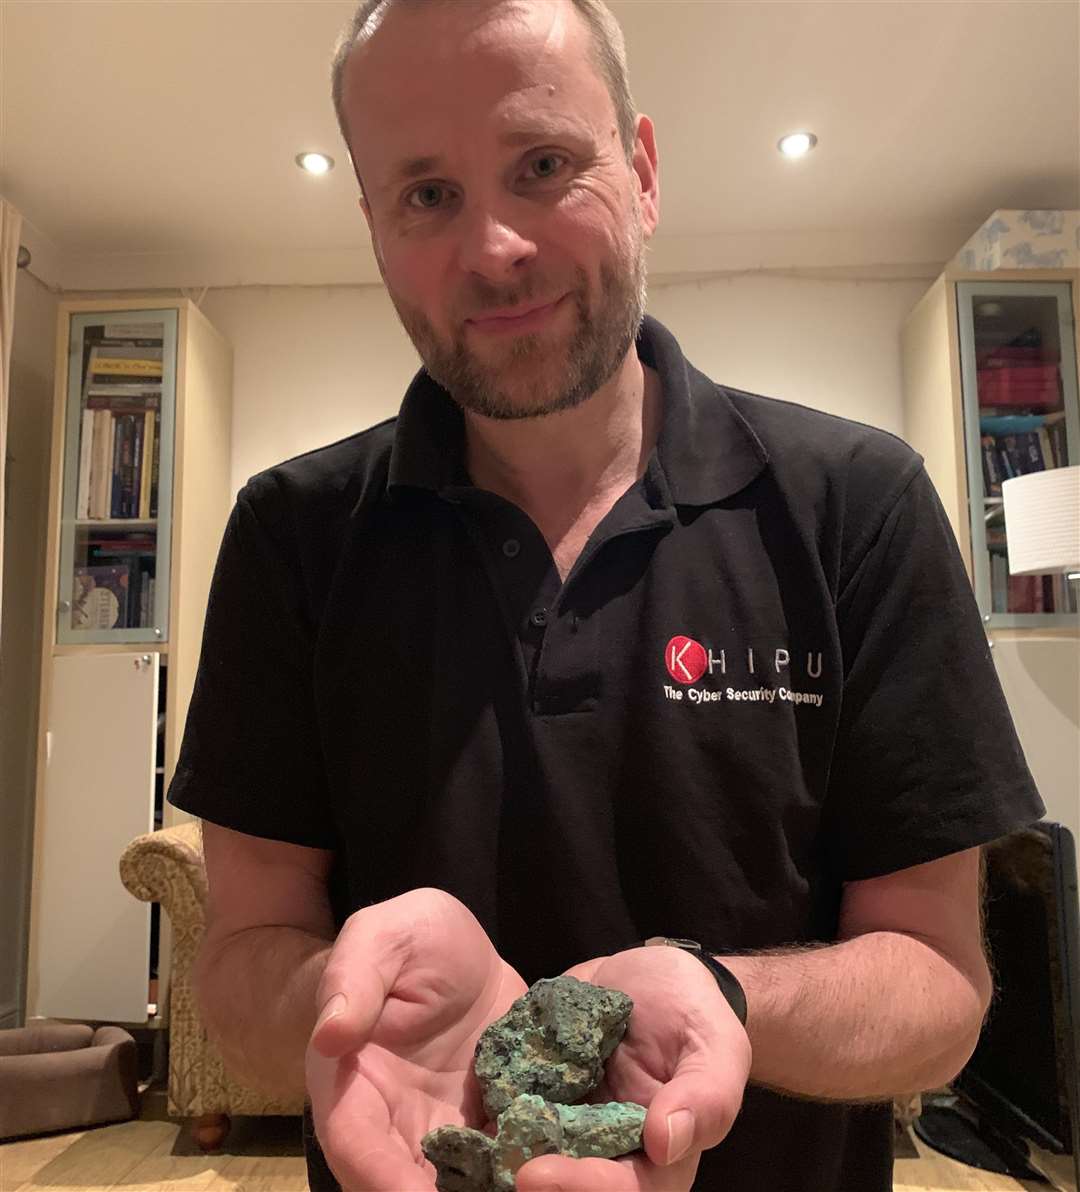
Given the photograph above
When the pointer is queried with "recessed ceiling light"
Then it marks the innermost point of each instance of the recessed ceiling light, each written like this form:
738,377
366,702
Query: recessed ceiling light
796,144
315,163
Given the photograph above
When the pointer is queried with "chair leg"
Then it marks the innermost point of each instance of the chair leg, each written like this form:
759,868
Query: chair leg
210,1130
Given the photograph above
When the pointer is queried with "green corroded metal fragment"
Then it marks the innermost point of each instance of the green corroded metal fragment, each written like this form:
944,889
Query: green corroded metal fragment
529,1126
463,1158
601,1131
552,1042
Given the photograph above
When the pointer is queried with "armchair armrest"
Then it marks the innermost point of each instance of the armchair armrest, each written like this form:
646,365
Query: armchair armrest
166,866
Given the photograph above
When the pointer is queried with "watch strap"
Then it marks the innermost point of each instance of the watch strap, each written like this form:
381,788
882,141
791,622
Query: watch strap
725,978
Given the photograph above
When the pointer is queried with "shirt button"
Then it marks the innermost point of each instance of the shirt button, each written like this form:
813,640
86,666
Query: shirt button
539,618
511,548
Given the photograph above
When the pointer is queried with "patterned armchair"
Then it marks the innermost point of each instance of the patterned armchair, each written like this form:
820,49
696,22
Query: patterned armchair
167,866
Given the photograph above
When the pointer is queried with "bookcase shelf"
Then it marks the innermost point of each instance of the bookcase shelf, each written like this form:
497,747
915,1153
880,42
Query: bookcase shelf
130,523
991,391
139,497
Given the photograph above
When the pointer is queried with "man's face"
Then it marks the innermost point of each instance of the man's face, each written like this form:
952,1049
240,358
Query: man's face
529,199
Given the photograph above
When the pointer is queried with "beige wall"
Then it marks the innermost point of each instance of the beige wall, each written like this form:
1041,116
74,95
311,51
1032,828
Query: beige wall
29,418
316,364
1041,681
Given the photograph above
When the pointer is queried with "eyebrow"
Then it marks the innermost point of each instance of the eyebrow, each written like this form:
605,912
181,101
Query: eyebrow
416,167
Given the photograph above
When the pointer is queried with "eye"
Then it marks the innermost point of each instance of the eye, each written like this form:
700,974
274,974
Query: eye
548,157
426,189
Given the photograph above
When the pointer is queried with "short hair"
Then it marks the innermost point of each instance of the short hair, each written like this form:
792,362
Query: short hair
608,54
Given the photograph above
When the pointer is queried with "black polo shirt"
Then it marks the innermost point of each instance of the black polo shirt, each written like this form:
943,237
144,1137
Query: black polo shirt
765,676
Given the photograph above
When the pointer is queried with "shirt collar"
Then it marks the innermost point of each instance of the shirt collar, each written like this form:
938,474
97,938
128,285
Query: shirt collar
706,450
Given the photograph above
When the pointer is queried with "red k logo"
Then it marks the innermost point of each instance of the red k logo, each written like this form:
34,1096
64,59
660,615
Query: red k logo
686,659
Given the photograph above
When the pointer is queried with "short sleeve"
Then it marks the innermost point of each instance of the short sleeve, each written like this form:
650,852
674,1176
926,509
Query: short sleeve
251,759
926,760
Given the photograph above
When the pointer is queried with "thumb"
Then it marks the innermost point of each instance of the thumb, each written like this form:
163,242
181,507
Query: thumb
697,1107
358,978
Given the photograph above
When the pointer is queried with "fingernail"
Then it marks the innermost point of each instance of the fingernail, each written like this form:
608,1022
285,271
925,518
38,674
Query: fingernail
335,1006
680,1133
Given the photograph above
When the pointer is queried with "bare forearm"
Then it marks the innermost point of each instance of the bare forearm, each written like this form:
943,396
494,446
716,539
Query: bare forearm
256,992
863,1020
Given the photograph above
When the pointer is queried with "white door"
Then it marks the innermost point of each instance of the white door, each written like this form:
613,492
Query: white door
93,937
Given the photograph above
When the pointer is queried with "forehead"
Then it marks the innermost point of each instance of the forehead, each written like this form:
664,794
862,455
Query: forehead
437,77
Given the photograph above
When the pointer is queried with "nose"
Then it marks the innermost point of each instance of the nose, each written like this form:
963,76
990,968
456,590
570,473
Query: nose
493,244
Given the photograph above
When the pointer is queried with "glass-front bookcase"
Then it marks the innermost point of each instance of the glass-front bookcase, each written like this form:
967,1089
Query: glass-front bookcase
117,481
1021,414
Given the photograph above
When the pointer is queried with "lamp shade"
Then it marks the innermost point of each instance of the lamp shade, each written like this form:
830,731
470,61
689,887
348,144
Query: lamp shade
1042,521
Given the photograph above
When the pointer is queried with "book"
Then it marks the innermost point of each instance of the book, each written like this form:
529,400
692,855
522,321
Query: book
100,467
122,400
991,468
147,464
124,362
121,453
1058,442
999,583
1031,457
136,333
1022,594
155,465
100,597
132,477
1045,449
86,447
1036,385
1006,459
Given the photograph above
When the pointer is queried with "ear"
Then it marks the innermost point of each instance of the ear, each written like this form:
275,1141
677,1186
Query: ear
646,165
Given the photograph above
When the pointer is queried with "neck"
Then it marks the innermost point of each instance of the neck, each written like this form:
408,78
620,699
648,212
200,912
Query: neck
557,465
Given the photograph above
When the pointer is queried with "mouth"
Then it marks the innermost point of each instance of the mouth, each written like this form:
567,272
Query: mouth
529,321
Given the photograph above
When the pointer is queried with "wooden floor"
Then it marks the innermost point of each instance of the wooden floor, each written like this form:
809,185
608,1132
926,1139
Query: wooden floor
264,1155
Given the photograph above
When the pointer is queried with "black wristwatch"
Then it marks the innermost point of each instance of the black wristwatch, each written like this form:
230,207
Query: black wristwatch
725,978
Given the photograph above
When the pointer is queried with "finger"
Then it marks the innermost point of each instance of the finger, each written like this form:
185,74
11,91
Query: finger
558,1173
696,1108
631,1173
585,970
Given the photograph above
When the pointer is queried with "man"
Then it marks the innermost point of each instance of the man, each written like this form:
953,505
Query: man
582,649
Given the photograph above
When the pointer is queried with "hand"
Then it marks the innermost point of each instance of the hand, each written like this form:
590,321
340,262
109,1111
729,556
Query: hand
684,1050
420,981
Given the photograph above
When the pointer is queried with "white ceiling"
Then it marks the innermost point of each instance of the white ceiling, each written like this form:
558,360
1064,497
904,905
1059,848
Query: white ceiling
151,142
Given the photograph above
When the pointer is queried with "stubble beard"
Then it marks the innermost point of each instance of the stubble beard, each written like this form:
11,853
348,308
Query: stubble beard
528,376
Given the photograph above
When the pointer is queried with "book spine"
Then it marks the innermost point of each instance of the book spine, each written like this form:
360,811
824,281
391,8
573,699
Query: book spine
1045,448
108,463
1005,466
1021,594
137,424
147,464
155,467
1031,452
1059,443
98,464
116,490
991,471
1013,455
123,403
86,449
